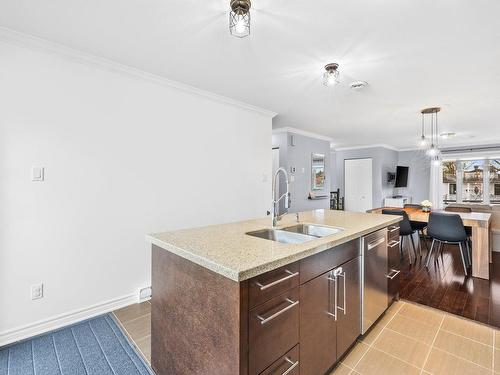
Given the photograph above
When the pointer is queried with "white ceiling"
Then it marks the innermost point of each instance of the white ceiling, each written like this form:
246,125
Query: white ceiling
414,54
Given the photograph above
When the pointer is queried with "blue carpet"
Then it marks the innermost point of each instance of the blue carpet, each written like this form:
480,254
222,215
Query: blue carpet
94,347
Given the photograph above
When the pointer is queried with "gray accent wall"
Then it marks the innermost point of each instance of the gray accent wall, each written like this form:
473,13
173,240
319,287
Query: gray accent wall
386,160
418,176
298,156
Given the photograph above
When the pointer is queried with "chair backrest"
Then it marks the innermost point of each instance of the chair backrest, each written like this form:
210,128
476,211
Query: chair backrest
404,225
446,227
458,209
413,205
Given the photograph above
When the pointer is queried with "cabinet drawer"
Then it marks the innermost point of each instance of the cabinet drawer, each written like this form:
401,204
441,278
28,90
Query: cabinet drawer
286,365
393,268
320,263
271,284
393,232
273,329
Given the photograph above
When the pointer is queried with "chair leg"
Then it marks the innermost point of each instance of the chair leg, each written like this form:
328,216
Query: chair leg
463,258
401,245
440,249
469,255
413,246
430,253
424,240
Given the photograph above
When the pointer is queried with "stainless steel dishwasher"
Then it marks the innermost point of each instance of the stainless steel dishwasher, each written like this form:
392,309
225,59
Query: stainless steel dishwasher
374,277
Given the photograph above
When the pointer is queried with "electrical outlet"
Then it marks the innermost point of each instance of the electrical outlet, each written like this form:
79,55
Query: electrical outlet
37,291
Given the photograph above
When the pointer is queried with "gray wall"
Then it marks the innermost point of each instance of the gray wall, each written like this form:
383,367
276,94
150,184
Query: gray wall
299,156
384,161
419,174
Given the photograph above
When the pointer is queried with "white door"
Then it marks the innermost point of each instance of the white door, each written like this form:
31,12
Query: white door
358,185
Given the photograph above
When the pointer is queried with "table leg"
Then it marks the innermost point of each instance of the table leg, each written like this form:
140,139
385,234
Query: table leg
481,252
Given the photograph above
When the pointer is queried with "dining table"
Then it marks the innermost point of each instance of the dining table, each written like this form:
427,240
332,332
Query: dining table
480,222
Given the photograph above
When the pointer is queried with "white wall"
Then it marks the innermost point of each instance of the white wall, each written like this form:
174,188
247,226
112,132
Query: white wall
124,156
418,174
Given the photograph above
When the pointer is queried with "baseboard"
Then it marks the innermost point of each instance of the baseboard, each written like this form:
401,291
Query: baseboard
47,325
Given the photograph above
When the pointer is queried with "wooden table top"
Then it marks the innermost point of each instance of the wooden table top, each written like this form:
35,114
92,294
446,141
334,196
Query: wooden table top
470,219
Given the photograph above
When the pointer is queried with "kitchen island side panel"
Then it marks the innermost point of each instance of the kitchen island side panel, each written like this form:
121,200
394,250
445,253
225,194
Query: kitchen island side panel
196,319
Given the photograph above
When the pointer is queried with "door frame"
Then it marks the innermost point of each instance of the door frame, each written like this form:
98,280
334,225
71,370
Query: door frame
343,180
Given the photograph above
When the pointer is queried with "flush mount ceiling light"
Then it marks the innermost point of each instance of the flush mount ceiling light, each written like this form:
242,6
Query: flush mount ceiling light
358,85
331,74
239,18
447,135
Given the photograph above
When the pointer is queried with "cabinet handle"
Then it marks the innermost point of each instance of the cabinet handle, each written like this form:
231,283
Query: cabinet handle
393,229
375,243
339,273
293,365
276,314
289,276
393,274
333,278
393,243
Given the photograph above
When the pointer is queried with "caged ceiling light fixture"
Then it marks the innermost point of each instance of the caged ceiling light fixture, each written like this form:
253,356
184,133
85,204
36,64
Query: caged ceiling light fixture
239,18
331,74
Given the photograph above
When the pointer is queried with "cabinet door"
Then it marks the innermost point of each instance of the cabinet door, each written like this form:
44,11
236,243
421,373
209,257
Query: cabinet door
317,325
348,304
393,271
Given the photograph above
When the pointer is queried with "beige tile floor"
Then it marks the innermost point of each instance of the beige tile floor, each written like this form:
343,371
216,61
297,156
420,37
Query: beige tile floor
409,339
136,322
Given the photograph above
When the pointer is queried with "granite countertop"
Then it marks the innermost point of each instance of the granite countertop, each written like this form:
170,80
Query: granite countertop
227,250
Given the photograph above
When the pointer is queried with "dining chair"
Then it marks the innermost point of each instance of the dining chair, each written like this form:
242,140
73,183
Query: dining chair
418,226
405,230
468,230
447,229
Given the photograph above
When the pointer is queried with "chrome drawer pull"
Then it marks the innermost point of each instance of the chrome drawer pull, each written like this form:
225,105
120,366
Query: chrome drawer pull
393,274
293,365
393,243
289,276
393,229
339,273
276,314
332,277
375,243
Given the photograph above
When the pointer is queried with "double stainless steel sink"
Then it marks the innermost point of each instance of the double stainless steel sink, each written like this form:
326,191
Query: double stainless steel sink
296,234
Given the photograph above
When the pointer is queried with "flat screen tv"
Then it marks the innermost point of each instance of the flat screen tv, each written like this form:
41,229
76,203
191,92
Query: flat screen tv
401,177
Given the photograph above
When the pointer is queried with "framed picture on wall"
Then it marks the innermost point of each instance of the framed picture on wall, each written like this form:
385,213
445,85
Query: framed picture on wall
318,171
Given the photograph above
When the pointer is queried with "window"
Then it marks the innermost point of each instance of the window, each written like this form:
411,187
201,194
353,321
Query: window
450,181
494,169
471,181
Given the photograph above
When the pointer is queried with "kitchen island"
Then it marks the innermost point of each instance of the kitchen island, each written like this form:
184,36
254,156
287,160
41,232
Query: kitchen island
226,302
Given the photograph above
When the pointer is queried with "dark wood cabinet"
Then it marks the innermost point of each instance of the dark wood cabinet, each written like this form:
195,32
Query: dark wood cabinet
287,364
317,325
298,319
349,305
393,263
273,329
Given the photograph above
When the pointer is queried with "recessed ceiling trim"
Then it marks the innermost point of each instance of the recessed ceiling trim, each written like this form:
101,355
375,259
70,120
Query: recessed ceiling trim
289,129
38,44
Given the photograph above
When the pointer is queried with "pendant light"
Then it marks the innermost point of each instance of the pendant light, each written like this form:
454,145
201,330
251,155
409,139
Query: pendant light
432,150
239,18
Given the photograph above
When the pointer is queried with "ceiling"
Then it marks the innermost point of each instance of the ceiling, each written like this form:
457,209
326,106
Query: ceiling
413,54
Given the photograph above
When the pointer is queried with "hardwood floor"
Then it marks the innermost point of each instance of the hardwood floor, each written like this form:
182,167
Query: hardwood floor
445,287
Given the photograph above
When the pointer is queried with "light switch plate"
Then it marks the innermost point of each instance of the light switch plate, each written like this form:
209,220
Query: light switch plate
37,174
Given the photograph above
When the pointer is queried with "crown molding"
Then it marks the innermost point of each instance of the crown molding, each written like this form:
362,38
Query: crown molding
32,42
381,145
305,133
